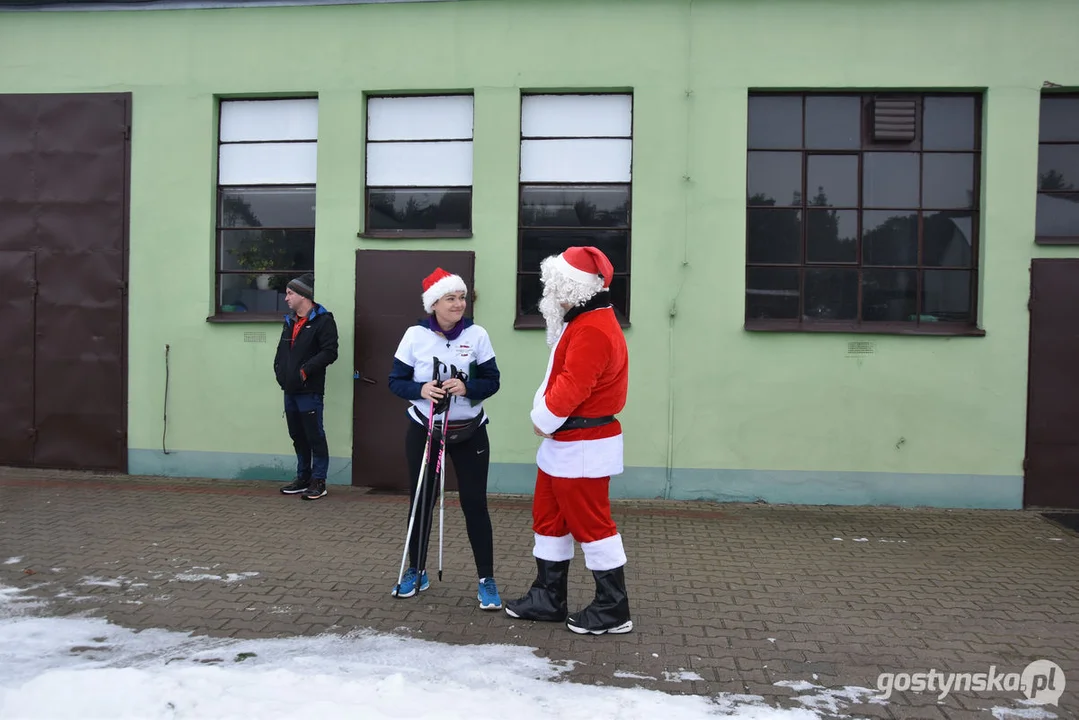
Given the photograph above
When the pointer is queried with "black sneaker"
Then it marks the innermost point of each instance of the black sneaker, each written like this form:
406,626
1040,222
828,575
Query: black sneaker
297,486
316,489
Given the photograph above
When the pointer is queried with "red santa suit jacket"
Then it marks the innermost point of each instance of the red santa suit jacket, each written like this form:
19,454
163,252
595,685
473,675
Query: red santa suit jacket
587,376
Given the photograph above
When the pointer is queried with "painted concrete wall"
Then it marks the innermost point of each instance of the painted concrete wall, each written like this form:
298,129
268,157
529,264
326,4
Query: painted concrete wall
714,411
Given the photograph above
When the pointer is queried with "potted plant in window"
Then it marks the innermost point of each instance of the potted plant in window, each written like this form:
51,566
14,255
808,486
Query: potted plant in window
259,254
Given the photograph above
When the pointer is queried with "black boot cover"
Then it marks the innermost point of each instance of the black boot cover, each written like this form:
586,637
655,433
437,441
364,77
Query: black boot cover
609,611
546,599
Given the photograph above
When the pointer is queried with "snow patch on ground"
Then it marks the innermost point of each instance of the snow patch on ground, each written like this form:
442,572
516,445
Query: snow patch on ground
682,675
625,675
1026,713
95,581
745,705
13,603
202,577
832,701
72,597
236,577
195,577
86,668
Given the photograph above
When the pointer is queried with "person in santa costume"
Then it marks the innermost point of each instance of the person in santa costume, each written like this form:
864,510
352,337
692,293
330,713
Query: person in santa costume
574,412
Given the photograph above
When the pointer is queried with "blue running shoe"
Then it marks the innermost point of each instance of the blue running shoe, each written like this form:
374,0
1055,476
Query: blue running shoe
408,584
488,595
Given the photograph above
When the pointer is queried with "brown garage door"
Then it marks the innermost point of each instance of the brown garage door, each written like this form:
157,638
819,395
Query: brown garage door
1051,477
17,360
63,201
388,289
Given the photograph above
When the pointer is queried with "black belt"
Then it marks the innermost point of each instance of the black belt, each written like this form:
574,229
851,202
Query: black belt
577,423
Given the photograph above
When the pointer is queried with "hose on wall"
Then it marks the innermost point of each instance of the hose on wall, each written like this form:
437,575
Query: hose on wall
165,405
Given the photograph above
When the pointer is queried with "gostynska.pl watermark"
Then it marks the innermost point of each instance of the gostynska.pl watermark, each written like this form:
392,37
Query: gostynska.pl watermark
1041,682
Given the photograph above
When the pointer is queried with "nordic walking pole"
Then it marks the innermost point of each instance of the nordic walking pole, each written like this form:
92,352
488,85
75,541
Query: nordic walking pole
426,507
442,488
415,502
442,479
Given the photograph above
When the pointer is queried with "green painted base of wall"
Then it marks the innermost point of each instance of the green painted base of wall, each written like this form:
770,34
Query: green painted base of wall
797,487
802,487
228,466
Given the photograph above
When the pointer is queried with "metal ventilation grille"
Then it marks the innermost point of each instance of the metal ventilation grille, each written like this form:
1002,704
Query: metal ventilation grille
894,120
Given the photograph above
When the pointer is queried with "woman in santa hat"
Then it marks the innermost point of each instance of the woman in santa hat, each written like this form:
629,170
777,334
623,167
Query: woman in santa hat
574,412
447,360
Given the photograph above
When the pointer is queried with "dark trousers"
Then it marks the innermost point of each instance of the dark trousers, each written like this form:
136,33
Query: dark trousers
471,459
303,413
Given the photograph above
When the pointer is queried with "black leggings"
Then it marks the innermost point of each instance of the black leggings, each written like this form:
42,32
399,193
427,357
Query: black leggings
470,461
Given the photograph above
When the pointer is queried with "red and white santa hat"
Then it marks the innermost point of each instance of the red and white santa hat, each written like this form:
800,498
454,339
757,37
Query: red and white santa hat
438,284
577,274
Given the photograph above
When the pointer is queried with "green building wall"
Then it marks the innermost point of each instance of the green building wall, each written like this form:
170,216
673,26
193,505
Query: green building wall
715,412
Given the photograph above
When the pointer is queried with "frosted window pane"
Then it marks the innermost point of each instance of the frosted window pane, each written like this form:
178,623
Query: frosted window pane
576,115
419,164
576,160
420,118
269,120
267,164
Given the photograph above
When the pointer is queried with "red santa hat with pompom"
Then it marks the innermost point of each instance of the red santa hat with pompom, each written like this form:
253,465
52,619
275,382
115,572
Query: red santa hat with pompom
578,273
438,284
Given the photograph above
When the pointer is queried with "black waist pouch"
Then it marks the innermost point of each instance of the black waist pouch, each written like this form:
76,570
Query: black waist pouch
457,432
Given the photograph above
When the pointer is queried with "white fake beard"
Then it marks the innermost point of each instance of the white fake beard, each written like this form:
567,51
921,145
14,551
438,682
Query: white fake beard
555,315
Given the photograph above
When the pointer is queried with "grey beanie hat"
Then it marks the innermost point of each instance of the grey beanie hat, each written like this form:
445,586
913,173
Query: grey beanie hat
303,285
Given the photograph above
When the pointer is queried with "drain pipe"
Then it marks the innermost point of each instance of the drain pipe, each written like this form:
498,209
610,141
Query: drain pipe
687,185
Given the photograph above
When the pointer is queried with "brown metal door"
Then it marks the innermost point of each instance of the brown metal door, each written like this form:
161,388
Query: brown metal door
64,196
1051,477
388,290
17,360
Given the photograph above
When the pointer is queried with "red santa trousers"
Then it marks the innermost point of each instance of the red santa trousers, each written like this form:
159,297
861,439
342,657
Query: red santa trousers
568,509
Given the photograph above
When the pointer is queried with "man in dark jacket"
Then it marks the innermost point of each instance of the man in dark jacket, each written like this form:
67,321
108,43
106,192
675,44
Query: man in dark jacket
308,346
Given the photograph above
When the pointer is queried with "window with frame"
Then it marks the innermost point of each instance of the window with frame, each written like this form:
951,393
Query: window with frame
575,188
265,202
419,166
862,212
1057,220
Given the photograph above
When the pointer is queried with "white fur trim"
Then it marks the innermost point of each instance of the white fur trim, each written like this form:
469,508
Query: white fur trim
544,419
563,267
581,458
553,549
453,283
539,400
605,554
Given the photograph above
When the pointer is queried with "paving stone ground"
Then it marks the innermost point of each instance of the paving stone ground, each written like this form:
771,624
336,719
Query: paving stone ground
741,596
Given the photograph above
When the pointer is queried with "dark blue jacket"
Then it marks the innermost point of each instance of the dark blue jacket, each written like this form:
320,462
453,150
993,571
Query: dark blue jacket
315,349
